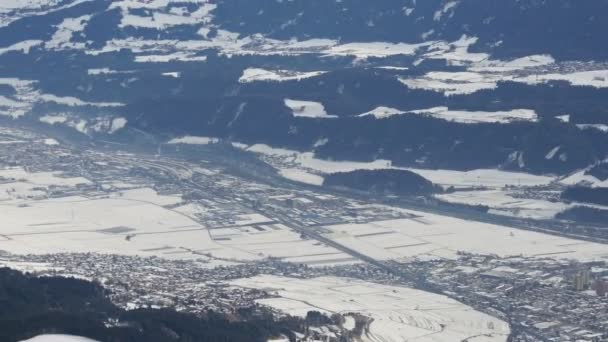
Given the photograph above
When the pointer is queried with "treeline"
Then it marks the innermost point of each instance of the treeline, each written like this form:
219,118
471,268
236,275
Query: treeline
599,171
524,28
585,215
586,195
205,101
388,181
30,306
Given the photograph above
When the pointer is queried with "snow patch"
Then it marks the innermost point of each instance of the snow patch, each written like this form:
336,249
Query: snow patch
62,39
398,313
174,74
599,127
50,142
53,119
192,140
382,112
460,116
108,125
257,74
24,46
552,153
522,63
299,175
449,6
307,109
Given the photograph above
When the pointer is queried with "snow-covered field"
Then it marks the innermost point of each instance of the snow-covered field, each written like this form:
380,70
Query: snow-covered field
500,202
131,220
398,313
192,140
139,222
429,236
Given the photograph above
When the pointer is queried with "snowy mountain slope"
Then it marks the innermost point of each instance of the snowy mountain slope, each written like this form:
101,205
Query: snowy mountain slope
225,68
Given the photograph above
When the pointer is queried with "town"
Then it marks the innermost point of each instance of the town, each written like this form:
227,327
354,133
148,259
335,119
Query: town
159,230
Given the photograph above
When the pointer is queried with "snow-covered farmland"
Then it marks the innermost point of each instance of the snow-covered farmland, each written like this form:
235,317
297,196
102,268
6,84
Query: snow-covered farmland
140,222
398,313
137,221
429,236
488,178
501,202
17,184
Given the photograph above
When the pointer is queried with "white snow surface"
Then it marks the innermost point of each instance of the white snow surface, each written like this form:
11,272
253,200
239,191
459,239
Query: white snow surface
39,224
430,236
480,177
176,56
13,10
398,313
107,125
117,124
24,46
192,140
501,202
447,8
374,49
580,178
58,338
61,40
552,153
307,109
599,127
382,112
461,116
487,77
258,74
299,175
513,65
27,96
